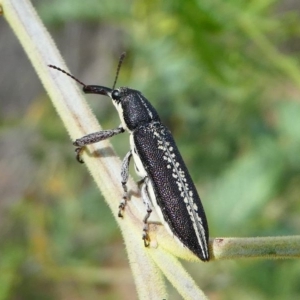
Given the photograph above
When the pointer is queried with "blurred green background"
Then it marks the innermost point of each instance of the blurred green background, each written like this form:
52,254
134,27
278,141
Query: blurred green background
225,78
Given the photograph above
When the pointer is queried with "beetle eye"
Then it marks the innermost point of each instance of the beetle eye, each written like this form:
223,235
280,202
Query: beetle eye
115,95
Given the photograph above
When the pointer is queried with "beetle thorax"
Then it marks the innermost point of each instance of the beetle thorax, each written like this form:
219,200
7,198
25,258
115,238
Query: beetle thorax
133,108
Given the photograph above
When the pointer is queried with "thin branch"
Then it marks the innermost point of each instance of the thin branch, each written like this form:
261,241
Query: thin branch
259,247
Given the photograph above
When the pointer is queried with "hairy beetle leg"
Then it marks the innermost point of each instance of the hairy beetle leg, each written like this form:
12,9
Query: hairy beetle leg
124,179
78,152
146,237
147,202
123,201
93,138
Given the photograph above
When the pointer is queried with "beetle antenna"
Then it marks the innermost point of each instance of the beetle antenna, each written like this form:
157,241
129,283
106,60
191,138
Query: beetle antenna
119,67
63,71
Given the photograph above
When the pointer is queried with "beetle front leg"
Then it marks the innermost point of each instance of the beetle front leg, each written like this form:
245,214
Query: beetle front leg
94,138
124,177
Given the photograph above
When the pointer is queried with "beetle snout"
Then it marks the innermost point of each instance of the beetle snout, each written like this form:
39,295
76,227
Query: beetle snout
97,89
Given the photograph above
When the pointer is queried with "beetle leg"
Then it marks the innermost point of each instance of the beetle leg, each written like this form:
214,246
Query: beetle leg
94,138
148,203
124,178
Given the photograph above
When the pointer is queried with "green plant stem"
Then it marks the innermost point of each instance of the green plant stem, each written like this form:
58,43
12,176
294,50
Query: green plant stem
177,275
259,247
